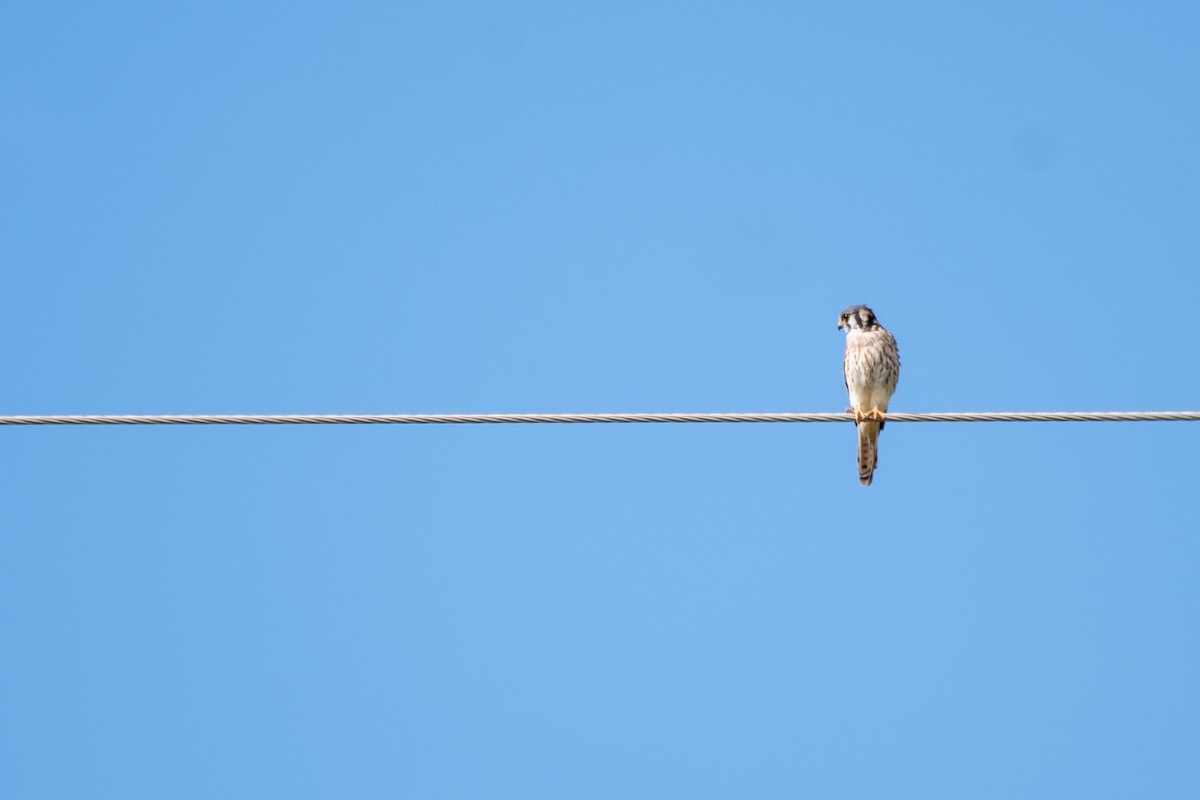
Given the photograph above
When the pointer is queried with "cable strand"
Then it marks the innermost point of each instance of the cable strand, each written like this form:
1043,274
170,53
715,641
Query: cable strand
477,419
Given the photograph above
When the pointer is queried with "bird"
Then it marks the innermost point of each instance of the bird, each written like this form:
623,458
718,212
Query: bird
872,368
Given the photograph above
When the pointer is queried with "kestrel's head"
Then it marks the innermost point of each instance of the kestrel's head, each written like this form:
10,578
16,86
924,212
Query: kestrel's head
857,318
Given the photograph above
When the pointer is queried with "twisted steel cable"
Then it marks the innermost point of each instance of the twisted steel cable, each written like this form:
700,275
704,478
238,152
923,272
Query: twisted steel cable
476,419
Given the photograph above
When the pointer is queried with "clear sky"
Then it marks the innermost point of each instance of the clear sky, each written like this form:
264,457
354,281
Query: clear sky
228,207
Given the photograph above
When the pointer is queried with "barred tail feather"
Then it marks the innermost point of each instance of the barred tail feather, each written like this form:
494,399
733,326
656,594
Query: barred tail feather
868,451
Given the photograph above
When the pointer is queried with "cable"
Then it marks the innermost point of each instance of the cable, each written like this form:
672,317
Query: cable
475,419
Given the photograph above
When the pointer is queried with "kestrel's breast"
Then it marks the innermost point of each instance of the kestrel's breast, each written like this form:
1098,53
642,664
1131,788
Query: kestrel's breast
872,362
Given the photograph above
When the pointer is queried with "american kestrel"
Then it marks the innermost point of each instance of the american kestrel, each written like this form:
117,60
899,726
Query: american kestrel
872,368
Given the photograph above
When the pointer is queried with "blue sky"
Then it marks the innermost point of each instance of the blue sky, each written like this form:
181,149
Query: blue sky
521,207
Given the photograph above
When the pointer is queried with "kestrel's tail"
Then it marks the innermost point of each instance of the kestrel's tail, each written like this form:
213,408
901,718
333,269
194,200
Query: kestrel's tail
868,450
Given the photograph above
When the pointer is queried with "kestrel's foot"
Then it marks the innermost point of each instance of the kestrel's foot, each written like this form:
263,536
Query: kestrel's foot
875,415
859,416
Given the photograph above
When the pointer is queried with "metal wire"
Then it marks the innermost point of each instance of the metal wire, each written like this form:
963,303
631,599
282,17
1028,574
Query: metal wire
476,419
